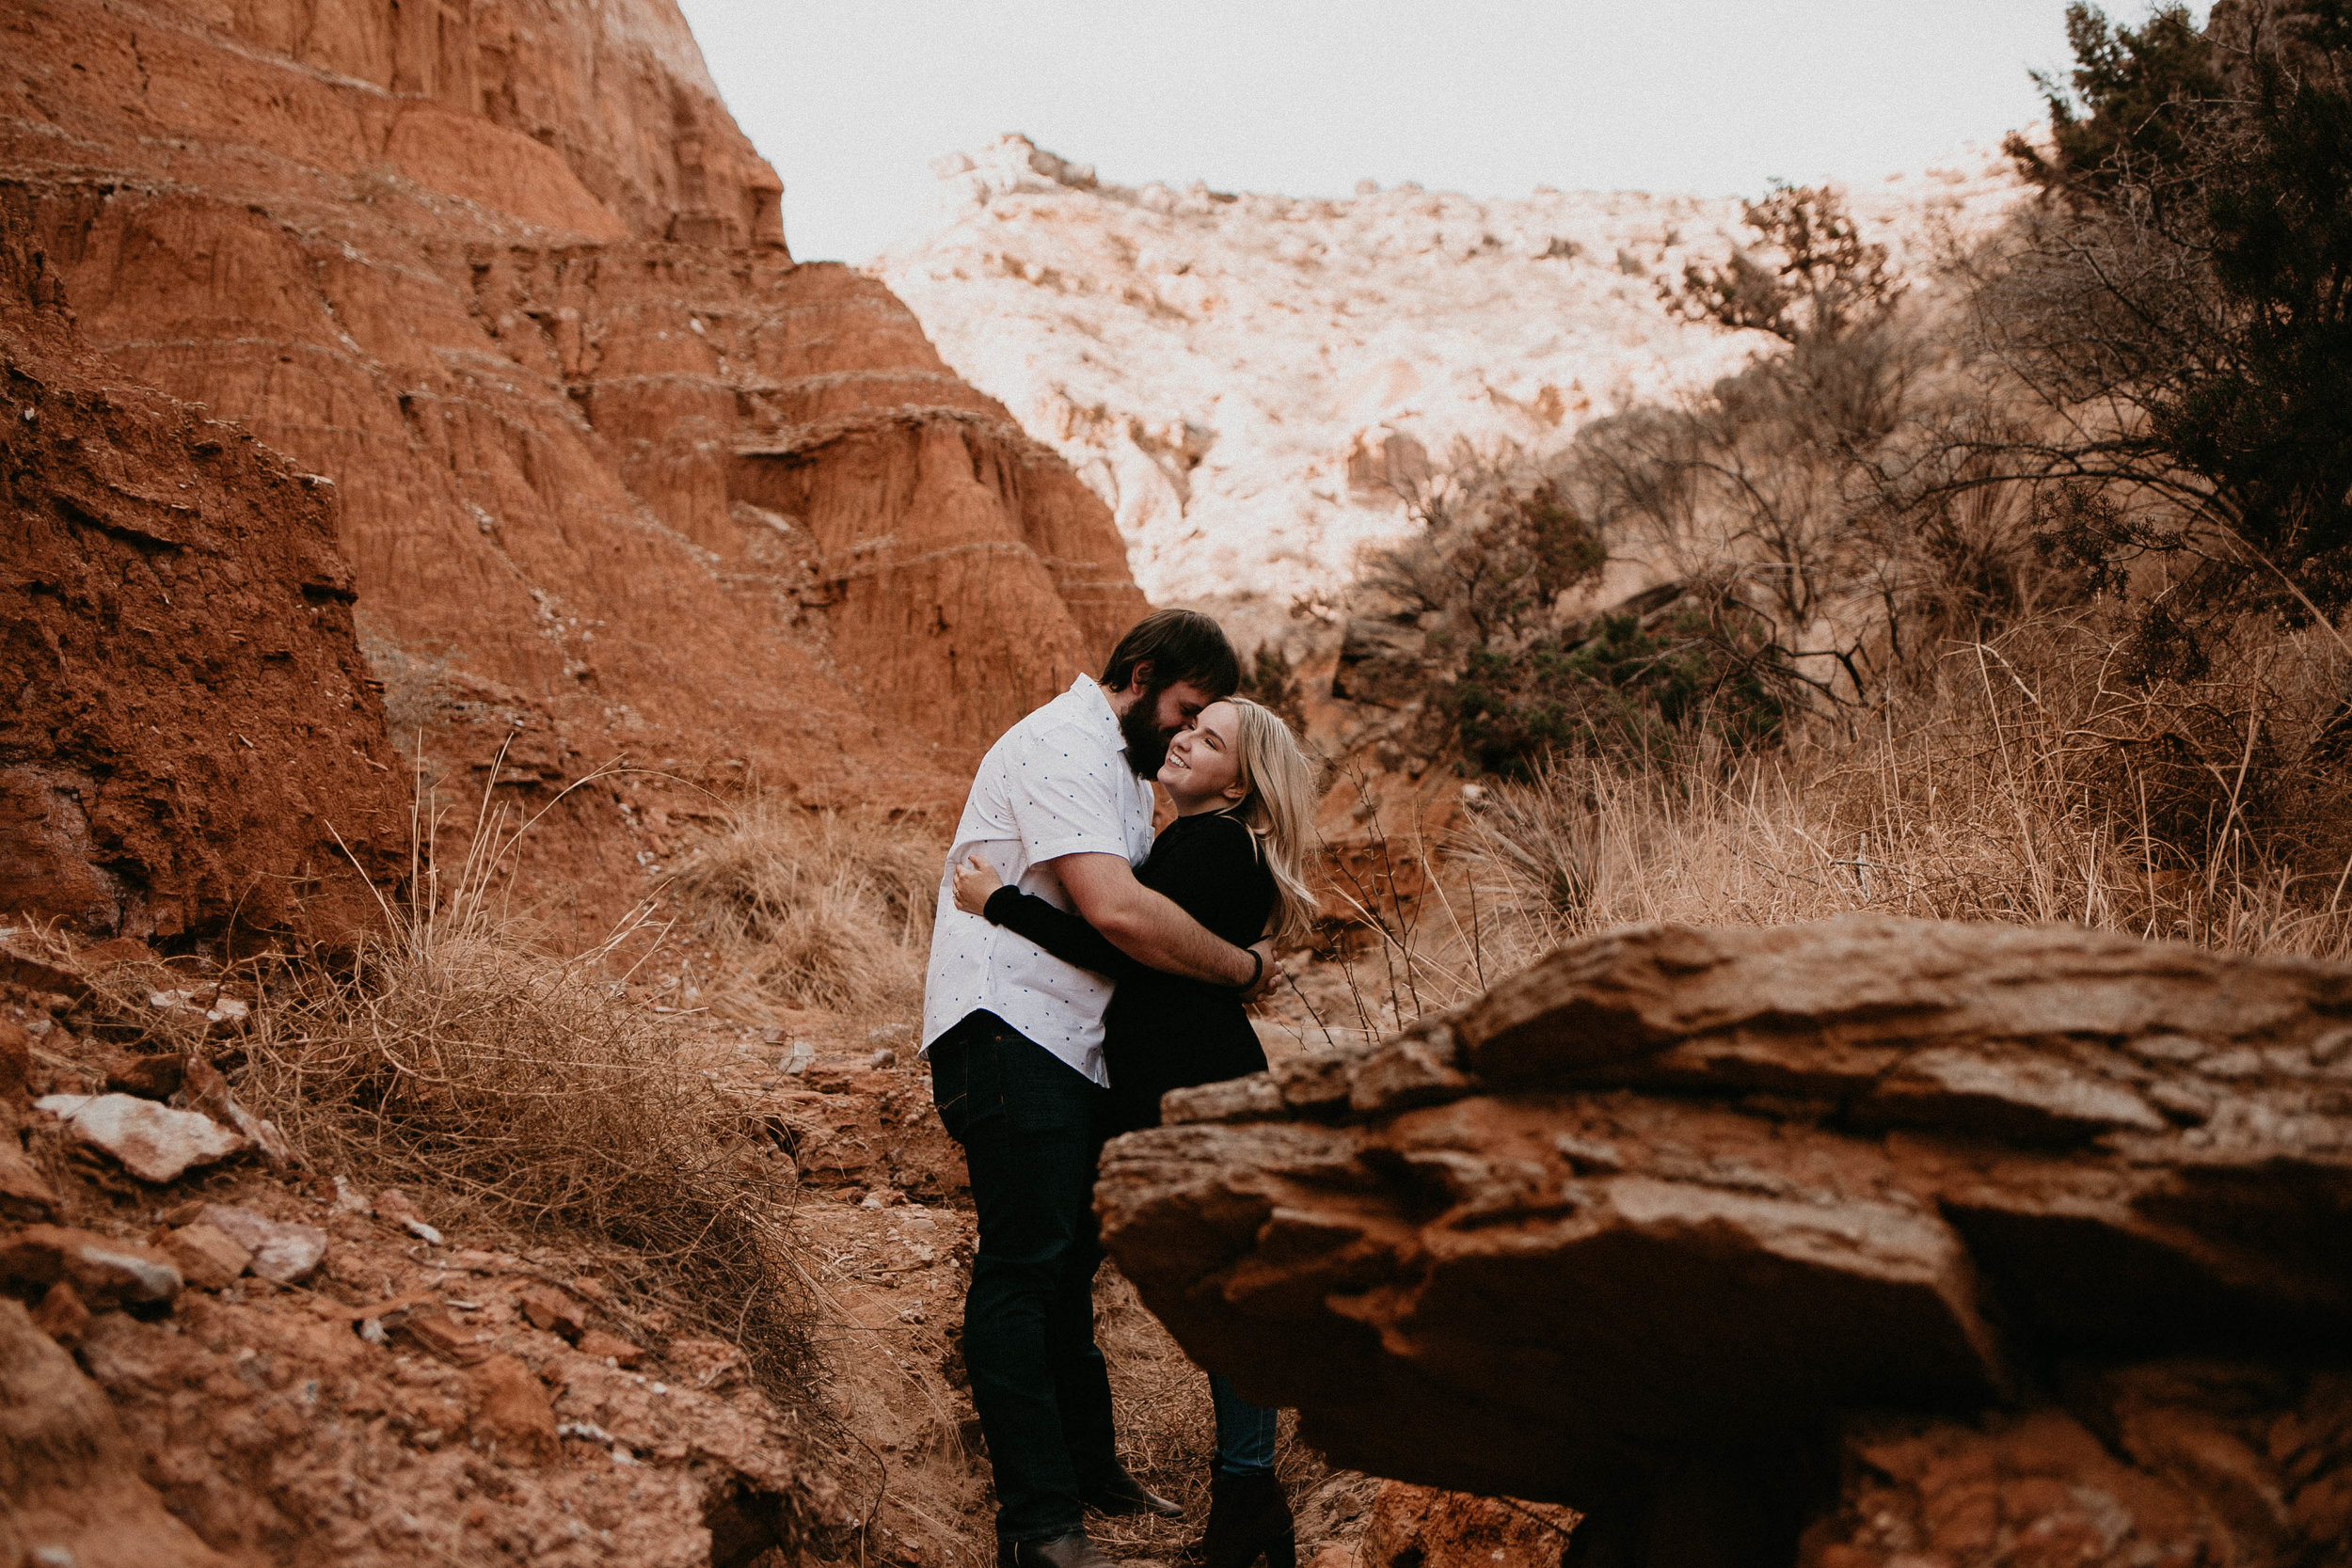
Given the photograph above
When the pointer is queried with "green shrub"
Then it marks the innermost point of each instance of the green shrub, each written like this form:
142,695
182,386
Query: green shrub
1615,690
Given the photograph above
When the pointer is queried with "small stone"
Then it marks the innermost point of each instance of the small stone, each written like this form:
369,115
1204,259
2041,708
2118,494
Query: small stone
206,1090
209,1257
62,1316
102,1271
797,1060
282,1252
350,1199
153,1142
885,1057
599,1346
511,1411
16,1058
544,1306
437,1335
393,1208
25,1193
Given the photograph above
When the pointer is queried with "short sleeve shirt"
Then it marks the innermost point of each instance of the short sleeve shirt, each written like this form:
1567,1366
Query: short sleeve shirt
1055,784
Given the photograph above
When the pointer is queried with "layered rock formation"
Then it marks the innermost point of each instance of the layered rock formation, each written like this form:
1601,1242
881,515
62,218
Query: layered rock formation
616,477
191,745
2046,1227
1248,378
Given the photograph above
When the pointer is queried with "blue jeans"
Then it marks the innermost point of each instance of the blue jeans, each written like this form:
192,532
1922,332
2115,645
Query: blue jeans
1245,1431
1029,1126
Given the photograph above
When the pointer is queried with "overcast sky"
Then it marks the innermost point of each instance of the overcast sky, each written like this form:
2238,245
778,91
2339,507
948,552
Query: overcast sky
852,101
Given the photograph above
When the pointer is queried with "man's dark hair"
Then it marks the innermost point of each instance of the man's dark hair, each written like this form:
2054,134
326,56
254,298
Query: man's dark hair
1180,645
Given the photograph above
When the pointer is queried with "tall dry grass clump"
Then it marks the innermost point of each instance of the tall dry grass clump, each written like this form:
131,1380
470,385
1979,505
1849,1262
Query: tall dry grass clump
814,908
2021,784
524,1090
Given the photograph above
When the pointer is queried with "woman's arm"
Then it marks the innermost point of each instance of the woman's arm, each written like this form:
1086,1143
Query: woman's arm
1060,932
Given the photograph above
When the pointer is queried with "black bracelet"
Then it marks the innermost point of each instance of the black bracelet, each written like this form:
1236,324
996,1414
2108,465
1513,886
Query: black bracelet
1257,969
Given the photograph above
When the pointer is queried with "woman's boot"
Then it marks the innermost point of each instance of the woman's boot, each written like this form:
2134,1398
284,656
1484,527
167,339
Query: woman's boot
1247,1515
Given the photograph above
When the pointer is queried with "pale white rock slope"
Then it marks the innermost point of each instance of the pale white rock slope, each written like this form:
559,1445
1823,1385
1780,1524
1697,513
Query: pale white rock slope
1244,378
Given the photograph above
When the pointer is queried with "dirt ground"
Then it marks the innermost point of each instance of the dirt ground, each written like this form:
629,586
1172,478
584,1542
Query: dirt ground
464,1395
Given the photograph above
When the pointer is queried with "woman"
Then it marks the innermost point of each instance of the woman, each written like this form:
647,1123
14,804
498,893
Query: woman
1234,861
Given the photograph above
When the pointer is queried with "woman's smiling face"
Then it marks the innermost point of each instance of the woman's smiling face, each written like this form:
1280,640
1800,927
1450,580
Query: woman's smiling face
1204,762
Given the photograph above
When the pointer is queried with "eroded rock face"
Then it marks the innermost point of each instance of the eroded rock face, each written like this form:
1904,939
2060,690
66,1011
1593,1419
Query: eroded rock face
188,728
1250,379
1648,1226
615,476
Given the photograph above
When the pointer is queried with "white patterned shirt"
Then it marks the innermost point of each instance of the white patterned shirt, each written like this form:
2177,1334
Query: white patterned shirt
1055,784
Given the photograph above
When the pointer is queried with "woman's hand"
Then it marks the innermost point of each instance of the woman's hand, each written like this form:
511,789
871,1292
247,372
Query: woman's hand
975,881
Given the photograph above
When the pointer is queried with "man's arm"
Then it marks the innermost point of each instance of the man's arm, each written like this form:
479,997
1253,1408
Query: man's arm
1148,927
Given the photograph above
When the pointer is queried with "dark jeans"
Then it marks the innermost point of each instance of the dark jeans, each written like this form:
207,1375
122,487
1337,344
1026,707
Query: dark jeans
1245,1431
1028,1124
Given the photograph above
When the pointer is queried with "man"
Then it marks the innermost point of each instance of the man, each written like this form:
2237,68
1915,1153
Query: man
1061,807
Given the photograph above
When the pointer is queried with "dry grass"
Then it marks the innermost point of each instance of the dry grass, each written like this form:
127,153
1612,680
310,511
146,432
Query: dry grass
808,909
2025,787
523,1090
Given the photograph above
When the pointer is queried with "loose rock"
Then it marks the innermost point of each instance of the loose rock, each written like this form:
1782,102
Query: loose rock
544,1306
25,1193
601,1346
511,1411
282,1252
102,1271
62,1315
208,1257
393,1208
153,1142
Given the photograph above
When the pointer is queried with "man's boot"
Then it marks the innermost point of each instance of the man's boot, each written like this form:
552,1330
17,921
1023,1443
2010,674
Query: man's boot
1119,1493
1073,1550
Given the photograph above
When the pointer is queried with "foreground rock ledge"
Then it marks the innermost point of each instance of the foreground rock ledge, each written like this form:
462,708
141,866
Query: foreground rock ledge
1649,1228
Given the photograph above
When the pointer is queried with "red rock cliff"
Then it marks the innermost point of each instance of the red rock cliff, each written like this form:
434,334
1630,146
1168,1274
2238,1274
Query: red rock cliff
189,743
617,475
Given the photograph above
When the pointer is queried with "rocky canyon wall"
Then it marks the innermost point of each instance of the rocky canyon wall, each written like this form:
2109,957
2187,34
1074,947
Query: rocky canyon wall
616,477
1248,378
190,744
1862,1242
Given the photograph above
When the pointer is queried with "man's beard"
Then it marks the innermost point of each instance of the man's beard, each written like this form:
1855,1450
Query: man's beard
1147,748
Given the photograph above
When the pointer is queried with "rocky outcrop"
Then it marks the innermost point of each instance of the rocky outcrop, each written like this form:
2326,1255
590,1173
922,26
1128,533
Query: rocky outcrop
616,476
190,744
2031,1235
1251,380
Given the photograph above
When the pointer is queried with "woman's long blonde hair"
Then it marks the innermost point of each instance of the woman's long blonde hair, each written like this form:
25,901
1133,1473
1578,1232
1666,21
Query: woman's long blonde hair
1279,810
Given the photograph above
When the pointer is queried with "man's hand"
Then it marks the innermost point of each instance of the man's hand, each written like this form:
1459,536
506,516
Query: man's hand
1148,927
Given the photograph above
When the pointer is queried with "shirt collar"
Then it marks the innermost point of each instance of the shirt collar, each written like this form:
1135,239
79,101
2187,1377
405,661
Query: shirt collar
1097,705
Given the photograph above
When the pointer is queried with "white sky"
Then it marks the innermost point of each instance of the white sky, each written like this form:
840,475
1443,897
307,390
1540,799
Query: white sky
851,99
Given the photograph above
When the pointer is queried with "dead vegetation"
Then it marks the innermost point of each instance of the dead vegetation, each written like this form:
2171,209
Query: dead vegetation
525,1091
814,908
2038,797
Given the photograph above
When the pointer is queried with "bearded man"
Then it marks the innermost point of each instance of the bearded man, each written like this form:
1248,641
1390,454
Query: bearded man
1062,808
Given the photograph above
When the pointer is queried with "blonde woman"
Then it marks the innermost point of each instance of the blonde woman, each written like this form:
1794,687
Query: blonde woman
1234,859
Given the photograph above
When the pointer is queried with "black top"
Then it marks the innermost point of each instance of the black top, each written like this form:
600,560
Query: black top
1163,1031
